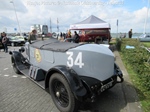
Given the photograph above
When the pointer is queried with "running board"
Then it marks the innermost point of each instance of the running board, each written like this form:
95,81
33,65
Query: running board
33,73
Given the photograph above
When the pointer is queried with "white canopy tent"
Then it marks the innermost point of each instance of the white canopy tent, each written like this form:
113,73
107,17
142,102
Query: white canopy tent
91,22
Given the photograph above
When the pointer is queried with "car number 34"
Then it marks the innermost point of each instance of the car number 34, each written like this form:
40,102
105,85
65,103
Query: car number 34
77,61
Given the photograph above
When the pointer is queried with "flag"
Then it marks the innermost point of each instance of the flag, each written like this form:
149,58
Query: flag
117,22
57,25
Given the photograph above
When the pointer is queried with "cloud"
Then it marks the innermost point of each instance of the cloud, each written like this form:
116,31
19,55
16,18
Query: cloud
8,6
31,12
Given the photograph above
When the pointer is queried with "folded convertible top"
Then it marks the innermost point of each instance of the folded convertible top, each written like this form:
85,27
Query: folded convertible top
54,45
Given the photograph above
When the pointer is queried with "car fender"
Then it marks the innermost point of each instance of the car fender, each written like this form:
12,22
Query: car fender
17,57
73,79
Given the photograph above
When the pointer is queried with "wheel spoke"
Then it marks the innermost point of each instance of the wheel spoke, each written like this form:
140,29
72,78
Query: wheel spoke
57,87
64,95
65,98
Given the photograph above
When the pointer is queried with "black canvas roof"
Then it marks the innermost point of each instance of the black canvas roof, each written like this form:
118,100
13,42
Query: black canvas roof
54,45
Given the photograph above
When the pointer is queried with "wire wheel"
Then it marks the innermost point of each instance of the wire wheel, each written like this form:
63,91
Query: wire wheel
61,93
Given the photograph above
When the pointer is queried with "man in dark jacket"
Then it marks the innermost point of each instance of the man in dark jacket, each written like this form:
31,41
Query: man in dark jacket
76,37
32,37
130,33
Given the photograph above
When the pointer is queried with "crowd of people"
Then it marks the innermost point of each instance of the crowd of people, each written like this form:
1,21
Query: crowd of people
71,37
33,36
62,36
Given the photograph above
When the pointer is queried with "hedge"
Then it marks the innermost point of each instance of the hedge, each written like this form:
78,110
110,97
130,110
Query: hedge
137,58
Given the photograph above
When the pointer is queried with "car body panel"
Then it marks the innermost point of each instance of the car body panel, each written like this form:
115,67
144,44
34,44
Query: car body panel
101,68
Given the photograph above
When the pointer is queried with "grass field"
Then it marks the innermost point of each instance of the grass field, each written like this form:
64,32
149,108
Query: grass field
146,44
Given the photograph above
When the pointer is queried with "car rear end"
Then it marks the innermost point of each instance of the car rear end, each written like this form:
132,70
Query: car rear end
99,72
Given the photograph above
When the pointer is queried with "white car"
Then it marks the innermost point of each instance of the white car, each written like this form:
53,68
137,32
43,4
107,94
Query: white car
144,38
16,40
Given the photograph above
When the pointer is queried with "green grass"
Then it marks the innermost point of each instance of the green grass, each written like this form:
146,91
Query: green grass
146,44
144,95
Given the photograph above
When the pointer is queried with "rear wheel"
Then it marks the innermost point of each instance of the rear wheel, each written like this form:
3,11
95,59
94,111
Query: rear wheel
15,66
61,94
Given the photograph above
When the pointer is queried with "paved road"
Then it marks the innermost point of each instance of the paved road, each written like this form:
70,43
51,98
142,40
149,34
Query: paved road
20,94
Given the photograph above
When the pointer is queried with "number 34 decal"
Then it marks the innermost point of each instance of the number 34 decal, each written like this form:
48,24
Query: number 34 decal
77,61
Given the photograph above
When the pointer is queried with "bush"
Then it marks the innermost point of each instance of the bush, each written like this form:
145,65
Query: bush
118,44
137,58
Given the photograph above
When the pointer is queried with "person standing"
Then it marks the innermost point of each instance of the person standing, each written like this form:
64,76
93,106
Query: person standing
76,37
130,33
69,34
61,35
4,41
32,36
64,36
1,41
43,35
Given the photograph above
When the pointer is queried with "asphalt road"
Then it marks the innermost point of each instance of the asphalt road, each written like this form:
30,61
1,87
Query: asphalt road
20,94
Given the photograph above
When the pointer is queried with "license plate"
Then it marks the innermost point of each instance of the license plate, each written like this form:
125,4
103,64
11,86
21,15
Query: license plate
106,86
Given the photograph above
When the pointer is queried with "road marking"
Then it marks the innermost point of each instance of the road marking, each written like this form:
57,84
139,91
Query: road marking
14,76
6,75
23,77
5,68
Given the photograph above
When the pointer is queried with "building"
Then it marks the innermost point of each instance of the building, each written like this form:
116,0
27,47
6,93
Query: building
40,28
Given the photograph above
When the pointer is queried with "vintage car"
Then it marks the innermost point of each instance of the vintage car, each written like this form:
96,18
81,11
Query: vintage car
72,73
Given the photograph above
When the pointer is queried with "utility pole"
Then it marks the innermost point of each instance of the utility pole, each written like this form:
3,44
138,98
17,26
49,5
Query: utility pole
50,26
117,28
57,25
16,16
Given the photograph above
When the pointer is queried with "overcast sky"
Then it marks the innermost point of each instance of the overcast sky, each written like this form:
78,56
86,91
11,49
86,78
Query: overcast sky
130,13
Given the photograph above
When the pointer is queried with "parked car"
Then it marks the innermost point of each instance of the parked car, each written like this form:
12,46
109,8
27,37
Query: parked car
16,40
72,73
144,38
